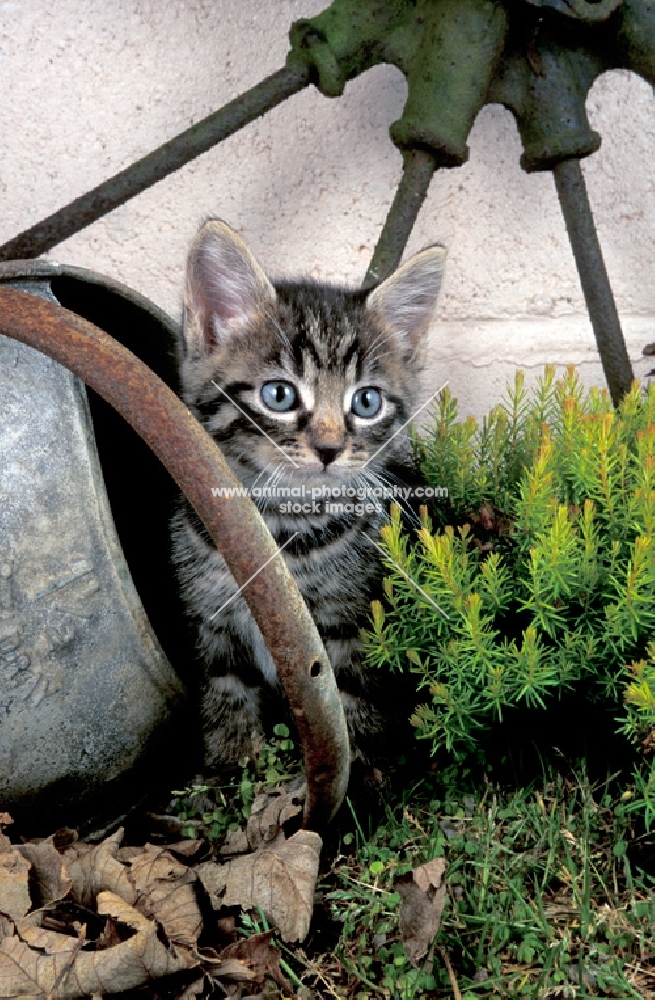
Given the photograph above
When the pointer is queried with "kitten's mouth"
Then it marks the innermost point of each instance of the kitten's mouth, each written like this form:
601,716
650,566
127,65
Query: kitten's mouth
321,471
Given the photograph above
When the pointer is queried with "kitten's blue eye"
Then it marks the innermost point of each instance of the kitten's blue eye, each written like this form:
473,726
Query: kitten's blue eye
366,402
279,396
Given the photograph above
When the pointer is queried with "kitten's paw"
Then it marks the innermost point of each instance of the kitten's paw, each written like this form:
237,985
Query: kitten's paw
232,727
228,747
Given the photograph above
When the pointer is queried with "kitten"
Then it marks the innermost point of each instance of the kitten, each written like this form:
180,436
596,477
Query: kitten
329,375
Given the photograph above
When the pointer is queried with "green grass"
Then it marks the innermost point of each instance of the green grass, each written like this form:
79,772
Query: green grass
543,899
547,895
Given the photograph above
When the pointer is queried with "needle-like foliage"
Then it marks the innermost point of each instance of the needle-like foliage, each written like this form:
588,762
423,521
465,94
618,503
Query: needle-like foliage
540,575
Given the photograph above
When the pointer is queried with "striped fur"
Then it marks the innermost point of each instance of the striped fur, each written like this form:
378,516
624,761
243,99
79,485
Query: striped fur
241,332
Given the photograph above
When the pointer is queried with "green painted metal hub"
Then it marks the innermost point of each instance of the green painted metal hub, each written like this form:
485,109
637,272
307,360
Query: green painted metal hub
538,59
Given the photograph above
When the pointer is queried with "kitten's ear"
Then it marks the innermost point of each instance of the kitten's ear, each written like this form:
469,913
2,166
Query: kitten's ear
225,286
405,302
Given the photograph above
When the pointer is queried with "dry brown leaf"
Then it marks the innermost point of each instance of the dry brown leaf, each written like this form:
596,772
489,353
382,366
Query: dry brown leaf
50,876
280,879
214,879
63,971
5,843
187,848
423,894
255,955
14,870
198,988
271,993
271,810
165,890
109,937
113,906
236,842
96,869
235,970
50,942
14,892
28,973
128,852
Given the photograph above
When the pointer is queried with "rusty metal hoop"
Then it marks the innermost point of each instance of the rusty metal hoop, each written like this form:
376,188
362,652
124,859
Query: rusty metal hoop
196,463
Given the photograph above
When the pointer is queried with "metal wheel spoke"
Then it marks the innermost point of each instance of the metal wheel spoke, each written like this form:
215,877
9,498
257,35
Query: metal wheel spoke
161,162
410,195
574,201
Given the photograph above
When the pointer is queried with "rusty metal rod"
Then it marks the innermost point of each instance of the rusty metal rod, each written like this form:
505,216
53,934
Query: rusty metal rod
158,164
579,219
419,166
197,465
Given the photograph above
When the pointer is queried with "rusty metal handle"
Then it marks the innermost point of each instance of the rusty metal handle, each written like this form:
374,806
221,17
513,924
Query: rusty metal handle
237,528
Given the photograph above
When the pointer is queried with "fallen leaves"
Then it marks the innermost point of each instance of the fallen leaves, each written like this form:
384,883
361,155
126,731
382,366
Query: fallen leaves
97,869
251,960
80,920
34,961
151,927
280,879
14,874
423,895
165,890
50,879
272,810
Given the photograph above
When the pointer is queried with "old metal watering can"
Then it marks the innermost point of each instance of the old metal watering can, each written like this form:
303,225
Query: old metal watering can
87,693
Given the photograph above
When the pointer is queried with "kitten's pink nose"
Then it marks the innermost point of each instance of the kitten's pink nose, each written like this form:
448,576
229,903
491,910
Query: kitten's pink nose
327,437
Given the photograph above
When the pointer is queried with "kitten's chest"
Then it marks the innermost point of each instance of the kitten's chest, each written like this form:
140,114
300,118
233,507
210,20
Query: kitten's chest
337,569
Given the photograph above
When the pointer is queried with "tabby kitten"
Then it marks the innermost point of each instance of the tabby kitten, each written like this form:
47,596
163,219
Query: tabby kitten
329,375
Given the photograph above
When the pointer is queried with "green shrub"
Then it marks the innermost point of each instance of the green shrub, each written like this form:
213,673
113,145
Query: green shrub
540,576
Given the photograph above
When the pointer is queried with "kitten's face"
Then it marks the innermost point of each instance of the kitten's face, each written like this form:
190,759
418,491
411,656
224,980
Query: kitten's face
327,375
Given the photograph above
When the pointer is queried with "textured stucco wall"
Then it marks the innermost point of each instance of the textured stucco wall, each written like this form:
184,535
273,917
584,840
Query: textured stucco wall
90,85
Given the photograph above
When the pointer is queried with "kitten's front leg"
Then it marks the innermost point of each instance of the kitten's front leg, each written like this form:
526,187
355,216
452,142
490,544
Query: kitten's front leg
237,668
231,716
